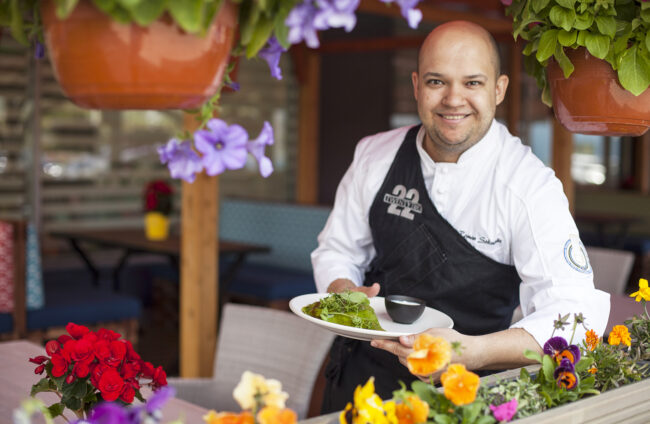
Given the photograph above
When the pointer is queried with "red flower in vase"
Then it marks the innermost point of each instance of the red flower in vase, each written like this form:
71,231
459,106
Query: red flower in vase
158,197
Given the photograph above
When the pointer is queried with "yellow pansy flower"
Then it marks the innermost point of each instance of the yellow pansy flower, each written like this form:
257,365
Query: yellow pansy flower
429,355
459,384
643,292
254,387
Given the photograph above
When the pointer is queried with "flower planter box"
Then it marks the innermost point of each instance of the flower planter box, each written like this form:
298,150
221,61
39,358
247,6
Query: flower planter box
629,404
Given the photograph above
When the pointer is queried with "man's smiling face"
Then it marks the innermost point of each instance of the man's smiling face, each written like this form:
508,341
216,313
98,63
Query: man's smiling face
457,89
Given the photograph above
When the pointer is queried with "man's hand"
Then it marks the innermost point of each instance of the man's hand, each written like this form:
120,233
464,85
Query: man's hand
343,284
501,350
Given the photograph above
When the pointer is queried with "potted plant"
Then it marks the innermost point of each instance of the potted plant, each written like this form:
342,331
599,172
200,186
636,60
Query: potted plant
262,29
591,58
157,206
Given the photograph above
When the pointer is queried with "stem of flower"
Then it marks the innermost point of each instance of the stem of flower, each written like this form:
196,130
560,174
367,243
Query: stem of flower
645,308
573,333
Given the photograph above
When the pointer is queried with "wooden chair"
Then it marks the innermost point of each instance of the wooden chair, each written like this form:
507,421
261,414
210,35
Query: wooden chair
76,302
274,343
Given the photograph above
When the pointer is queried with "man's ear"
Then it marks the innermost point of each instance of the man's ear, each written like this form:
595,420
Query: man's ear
415,80
501,88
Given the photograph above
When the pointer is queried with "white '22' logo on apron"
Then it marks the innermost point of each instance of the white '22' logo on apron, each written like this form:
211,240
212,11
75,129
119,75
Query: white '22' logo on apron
403,202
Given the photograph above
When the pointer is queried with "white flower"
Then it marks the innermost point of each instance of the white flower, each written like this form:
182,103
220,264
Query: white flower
255,388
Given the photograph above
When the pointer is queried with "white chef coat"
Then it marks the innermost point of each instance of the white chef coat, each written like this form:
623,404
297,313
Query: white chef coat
502,199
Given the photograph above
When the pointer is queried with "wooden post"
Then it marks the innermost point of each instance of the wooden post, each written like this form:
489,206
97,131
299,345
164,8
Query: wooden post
562,150
642,165
514,88
199,274
309,80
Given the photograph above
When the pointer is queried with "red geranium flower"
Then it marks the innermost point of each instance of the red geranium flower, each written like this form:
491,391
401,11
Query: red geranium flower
59,365
76,331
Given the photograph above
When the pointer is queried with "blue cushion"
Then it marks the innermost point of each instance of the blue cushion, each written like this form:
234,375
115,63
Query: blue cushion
639,245
271,283
289,230
76,300
6,322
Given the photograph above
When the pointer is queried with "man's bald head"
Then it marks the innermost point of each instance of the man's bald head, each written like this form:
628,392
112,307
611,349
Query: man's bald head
463,29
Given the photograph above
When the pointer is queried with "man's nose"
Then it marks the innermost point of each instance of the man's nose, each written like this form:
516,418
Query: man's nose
453,96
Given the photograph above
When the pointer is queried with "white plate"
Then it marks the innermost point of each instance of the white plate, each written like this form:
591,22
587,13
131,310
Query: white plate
430,318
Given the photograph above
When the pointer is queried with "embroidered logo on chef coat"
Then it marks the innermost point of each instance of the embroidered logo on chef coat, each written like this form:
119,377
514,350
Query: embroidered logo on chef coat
576,255
403,202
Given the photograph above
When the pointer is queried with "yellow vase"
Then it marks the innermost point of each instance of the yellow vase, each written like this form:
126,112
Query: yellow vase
156,226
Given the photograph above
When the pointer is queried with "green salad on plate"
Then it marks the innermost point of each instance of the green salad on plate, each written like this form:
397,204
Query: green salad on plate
348,308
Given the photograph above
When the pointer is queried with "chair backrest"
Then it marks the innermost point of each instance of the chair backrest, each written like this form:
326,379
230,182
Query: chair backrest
611,268
274,343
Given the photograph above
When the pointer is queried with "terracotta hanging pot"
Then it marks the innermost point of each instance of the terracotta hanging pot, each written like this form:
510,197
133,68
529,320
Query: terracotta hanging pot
592,101
103,64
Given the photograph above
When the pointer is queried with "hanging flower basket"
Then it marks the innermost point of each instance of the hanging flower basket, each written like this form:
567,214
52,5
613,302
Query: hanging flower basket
592,101
103,64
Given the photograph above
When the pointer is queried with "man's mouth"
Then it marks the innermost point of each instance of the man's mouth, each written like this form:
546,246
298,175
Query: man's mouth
454,117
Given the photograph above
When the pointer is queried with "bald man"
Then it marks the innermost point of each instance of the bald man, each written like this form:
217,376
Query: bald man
458,212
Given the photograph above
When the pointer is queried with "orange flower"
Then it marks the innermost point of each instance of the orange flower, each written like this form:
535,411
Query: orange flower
460,385
429,355
593,370
274,415
414,411
213,417
592,340
619,334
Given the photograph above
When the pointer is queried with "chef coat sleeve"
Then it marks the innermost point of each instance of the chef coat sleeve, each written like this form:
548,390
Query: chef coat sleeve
553,265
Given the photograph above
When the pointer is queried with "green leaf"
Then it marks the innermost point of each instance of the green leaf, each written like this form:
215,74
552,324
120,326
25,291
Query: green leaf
563,18
43,385
56,409
563,61
547,44
106,6
583,21
17,29
130,4
566,3
606,25
5,13
597,44
148,11
548,366
567,38
539,5
647,40
583,365
71,402
634,71
443,419
65,7
531,354
188,14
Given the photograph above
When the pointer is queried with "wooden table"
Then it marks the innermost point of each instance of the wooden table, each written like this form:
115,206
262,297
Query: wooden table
17,377
133,241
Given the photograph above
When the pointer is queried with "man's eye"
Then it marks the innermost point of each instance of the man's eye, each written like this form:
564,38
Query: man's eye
474,83
434,82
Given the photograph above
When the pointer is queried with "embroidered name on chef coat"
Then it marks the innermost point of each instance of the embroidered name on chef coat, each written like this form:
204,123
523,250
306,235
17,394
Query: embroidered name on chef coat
576,255
403,202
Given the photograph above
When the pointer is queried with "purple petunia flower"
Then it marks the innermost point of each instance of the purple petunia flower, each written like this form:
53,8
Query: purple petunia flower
233,85
181,160
108,413
39,50
301,24
407,7
223,146
271,53
505,411
565,374
336,14
256,148
160,398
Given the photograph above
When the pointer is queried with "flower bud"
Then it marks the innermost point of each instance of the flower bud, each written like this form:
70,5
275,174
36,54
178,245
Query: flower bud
38,359
39,369
70,378
52,347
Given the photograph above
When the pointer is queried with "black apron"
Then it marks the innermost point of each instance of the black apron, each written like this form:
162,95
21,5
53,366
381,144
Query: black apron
419,254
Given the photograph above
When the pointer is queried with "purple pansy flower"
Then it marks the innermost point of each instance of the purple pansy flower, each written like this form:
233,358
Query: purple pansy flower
336,14
223,146
271,53
558,349
233,85
505,411
39,50
565,374
108,413
181,160
256,148
301,24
